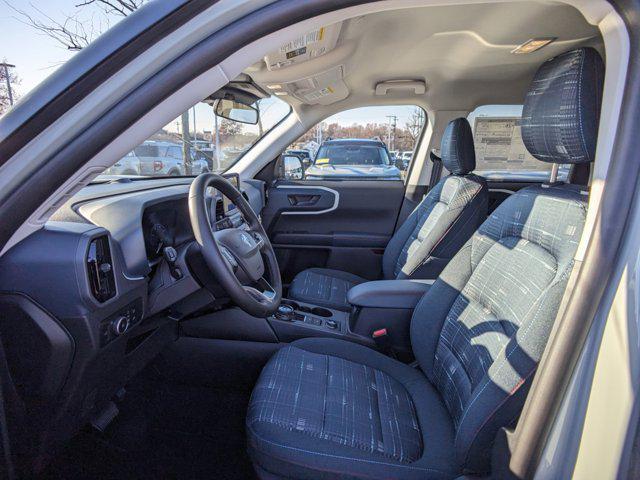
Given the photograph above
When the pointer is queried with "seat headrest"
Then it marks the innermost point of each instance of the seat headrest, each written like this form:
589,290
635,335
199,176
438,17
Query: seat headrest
562,108
457,150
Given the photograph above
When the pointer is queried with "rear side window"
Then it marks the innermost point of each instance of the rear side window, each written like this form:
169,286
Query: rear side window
500,152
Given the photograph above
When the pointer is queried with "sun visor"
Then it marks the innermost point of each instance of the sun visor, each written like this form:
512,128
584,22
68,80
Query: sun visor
311,45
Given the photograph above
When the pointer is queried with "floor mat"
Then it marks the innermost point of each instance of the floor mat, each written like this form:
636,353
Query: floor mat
164,432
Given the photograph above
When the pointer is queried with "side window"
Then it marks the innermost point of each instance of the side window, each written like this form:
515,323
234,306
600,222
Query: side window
369,143
500,152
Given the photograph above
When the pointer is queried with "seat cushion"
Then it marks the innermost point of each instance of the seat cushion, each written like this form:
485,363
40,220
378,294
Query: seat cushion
348,412
324,287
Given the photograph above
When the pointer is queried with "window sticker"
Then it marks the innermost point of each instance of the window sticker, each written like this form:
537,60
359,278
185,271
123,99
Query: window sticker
499,145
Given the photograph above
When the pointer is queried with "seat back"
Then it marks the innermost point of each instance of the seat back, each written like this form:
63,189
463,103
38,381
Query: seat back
495,303
446,217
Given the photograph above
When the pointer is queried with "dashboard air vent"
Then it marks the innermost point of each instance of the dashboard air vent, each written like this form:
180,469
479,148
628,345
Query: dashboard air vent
100,269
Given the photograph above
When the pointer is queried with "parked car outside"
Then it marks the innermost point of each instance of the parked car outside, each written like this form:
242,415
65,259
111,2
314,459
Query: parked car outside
160,158
127,165
353,158
406,157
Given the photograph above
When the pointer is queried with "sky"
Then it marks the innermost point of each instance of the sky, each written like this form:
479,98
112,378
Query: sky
35,55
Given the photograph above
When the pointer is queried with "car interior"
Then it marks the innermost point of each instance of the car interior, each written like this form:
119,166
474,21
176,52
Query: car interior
252,324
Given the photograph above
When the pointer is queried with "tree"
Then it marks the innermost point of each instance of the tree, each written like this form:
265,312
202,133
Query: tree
229,129
78,29
5,103
415,124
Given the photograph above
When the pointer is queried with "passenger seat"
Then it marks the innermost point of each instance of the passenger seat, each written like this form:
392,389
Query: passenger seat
433,233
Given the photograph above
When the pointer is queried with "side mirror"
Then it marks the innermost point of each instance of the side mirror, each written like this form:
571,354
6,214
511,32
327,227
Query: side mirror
289,167
238,112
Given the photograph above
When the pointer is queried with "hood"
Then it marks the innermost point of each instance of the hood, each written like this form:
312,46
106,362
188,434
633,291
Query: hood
386,171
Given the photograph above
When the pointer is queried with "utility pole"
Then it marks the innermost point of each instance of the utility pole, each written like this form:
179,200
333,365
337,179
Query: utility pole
393,121
216,129
6,67
195,130
186,143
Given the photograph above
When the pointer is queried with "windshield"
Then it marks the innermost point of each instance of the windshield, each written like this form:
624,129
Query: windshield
355,155
196,142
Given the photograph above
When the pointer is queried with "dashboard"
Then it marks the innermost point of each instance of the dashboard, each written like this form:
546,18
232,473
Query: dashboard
96,297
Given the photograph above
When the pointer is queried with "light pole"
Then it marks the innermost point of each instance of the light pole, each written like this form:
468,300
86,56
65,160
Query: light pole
393,119
6,67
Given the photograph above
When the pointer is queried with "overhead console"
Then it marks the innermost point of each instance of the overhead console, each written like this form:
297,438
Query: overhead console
308,68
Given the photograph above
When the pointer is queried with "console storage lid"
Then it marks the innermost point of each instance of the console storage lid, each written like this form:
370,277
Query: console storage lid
403,294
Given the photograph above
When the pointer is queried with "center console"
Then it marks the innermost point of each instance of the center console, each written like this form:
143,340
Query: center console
294,320
378,308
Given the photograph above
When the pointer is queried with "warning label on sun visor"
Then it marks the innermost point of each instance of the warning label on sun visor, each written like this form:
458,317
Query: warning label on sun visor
499,146
303,41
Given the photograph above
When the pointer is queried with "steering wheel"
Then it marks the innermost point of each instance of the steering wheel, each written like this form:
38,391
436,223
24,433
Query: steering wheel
236,256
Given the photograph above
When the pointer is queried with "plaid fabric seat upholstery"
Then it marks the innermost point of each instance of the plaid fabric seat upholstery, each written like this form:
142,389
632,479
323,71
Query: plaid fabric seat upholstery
494,306
323,286
337,400
478,333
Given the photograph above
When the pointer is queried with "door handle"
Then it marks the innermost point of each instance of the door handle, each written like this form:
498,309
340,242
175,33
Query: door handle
297,200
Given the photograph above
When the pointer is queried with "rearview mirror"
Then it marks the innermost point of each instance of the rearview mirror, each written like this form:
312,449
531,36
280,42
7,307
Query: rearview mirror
238,112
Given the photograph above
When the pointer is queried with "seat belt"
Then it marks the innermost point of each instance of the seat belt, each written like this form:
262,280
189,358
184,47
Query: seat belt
436,169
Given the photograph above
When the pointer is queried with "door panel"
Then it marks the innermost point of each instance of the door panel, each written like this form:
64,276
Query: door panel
341,224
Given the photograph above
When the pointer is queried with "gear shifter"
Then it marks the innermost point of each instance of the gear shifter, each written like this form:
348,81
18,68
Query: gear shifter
285,312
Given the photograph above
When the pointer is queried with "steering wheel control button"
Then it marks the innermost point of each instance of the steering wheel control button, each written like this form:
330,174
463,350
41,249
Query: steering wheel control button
285,312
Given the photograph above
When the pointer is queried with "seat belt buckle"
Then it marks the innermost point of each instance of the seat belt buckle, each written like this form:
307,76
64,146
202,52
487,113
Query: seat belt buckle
383,342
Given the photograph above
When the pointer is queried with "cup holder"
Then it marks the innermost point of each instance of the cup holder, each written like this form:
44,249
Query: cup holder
321,312
292,304
317,311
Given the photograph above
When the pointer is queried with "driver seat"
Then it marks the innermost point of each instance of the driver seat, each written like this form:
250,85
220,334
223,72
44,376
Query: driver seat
328,408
